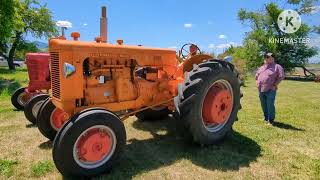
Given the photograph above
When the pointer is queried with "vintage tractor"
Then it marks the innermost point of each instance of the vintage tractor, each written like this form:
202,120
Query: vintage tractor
98,85
30,98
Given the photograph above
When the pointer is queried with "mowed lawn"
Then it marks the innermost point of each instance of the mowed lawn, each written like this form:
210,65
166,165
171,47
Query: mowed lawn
289,150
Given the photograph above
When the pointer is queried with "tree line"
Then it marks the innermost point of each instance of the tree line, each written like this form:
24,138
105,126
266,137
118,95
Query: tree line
264,30
19,18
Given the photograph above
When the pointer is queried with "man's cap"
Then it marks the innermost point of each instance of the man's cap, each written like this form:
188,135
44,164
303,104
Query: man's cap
268,55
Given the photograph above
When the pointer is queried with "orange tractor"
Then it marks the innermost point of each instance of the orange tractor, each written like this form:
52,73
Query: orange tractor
98,85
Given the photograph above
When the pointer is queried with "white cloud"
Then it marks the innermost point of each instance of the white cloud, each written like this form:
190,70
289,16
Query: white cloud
315,42
173,47
315,59
188,25
222,46
211,46
66,24
85,24
222,36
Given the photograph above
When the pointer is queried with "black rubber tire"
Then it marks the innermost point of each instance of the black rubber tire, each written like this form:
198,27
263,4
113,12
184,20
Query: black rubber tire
192,93
67,136
14,98
43,120
41,107
152,114
30,105
75,117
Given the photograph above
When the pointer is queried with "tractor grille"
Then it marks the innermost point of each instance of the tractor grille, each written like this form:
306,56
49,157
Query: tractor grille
55,74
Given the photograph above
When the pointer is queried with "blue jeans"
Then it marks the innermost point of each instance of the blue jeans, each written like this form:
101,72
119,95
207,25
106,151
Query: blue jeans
267,100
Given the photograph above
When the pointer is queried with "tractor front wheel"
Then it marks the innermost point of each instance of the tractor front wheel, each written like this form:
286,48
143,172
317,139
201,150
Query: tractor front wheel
50,119
19,98
32,107
209,101
89,144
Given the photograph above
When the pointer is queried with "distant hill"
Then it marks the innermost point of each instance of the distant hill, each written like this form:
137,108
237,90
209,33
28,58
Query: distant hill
41,45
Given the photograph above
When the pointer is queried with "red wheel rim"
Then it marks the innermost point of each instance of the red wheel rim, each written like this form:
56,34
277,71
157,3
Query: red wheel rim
94,146
217,105
23,98
58,118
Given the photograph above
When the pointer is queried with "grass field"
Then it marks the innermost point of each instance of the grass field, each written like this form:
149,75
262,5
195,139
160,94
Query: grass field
288,150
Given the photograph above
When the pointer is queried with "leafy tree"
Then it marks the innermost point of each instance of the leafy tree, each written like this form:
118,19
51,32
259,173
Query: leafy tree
7,15
264,27
306,7
303,6
30,17
25,47
239,56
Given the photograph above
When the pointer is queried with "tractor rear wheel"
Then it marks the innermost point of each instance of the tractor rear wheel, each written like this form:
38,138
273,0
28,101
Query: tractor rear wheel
89,144
208,101
152,114
19,98
32,107
50,119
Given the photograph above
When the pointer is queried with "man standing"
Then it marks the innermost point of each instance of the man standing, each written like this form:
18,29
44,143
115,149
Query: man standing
268,78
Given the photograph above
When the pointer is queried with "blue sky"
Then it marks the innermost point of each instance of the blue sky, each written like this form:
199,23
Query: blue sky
213,25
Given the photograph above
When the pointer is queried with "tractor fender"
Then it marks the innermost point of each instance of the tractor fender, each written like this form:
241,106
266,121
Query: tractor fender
196,59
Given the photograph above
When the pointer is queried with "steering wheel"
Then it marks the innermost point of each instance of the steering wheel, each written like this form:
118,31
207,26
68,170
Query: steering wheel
186,49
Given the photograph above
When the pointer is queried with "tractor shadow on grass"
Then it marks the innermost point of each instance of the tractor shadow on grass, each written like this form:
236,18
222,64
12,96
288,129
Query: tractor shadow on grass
9,85
286,126
46,145
31,125
166,148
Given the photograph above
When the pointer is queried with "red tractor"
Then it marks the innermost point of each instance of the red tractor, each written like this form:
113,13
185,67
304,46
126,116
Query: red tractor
31,97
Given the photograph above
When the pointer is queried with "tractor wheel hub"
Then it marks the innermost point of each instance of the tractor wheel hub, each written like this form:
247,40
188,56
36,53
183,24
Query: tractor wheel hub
94,146
58,118
217,106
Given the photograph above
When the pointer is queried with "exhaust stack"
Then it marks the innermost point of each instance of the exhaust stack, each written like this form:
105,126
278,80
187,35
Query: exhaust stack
104,25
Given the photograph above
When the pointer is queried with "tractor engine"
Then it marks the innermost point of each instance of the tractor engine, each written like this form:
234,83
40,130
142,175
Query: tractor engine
108,82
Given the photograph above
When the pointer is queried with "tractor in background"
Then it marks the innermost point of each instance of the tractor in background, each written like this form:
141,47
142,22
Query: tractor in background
30,98
98,85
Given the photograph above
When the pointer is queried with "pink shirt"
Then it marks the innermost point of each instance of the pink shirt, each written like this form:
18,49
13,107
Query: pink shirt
269,76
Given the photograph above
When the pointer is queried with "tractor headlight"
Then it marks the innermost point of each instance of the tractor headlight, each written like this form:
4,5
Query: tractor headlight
68,69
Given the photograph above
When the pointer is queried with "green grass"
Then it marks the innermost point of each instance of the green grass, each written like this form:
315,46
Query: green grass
11,80
289,150
6,167
41,168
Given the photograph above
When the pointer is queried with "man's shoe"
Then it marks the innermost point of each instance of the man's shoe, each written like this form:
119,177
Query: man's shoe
271,122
